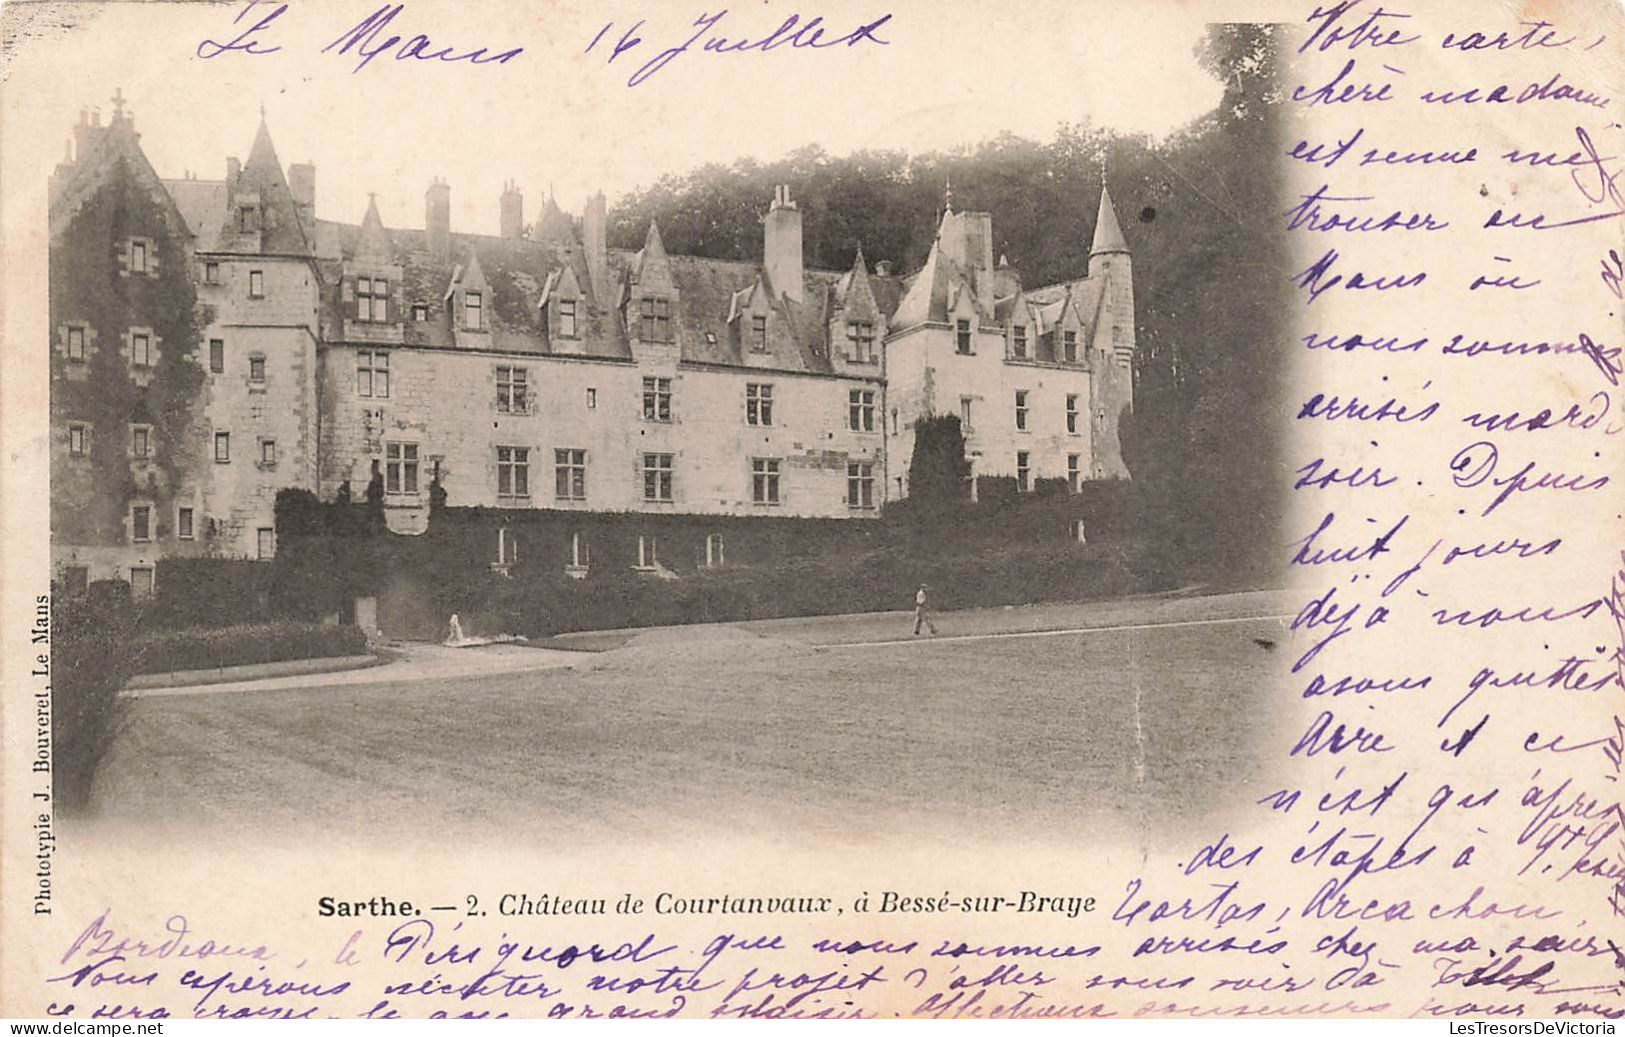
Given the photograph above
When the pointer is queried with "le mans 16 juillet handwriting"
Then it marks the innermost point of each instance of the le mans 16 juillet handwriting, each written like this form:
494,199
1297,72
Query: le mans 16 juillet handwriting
377,34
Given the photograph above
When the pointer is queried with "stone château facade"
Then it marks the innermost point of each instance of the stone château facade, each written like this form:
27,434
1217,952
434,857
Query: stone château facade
213,343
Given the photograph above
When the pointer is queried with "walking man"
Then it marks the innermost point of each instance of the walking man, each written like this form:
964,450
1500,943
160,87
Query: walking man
921,615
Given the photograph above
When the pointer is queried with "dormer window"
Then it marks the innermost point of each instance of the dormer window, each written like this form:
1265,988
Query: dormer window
758,333
567,318
1018,340
1069,346
372,299
862,336
474,311
962,336
656,319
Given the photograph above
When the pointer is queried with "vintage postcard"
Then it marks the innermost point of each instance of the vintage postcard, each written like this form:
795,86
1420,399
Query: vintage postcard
912,510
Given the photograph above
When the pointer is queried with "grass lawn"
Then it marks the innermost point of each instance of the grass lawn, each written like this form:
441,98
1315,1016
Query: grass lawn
718,730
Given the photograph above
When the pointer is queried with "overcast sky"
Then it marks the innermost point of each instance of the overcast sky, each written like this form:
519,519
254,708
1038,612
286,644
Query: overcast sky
954,73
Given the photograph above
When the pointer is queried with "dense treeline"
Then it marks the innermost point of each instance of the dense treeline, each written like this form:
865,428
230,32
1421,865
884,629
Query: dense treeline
1200,212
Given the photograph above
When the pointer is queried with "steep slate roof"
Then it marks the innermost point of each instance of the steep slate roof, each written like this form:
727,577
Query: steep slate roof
203,204
522,272
1108,233
115,143
280,232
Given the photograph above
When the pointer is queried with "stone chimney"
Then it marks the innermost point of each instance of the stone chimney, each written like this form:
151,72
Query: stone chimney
512,212
593,244
437,217
302,185
781,245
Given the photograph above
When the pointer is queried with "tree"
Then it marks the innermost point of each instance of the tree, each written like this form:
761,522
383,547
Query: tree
938,471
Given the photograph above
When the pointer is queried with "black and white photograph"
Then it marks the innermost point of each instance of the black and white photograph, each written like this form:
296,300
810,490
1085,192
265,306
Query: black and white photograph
647,505
930,510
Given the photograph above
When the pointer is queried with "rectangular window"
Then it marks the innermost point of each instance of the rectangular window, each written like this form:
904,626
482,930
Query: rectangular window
217,355
1072,473
268,451
964,415
372,299
713,550
580,553
140,441
76,343
138,257
860,410
513,471
141,349
222,447
372,374
1072,413
862,336
211,273
646,552
420,312
183,524
657,399
592,399
1021,410
570,474
140,523
1024,472
860,485
400,468
245,218
265,542
758,333
513,384
256,369
507,547
567,318
256,284
657,469
1018,340
78,440
1069,345
764,480
758,404
141,581
474,311
962,336
656,319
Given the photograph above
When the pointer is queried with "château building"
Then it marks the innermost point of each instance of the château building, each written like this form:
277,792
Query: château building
213,343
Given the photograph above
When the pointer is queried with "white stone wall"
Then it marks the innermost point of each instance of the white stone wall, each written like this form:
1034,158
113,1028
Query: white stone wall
445,401
281,407
928,376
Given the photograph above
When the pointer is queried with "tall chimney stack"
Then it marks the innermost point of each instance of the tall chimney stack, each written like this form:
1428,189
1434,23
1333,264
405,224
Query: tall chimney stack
512,212
593,243
781,245
302,185
437,217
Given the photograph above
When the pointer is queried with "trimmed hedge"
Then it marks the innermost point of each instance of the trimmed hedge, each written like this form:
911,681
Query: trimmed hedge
876,581
92,655
163,651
